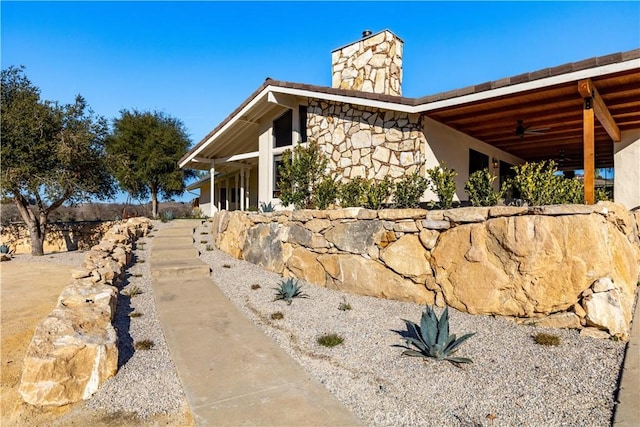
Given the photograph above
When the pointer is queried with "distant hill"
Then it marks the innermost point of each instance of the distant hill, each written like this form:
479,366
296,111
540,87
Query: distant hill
101,211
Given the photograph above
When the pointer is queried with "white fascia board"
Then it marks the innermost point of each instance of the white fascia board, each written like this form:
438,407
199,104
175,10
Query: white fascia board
536,84
224,128
238,157
346,99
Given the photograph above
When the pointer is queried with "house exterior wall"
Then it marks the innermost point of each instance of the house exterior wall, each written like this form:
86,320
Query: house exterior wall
205,198
372,64
366,142
444,143
626,161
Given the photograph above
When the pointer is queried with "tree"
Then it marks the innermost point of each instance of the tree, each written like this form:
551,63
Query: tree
144,150
51,154
300,172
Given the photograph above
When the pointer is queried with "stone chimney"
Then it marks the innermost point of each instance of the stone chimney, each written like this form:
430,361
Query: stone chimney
371,64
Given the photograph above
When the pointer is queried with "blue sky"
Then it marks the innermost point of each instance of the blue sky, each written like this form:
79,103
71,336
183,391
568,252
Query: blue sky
198,61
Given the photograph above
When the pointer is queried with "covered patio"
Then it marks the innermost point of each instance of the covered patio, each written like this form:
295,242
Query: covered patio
581,121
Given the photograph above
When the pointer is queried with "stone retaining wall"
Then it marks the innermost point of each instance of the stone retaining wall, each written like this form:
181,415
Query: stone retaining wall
74,349
60,237
566,266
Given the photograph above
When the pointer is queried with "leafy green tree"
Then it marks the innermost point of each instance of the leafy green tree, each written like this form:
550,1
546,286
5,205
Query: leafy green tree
51,154
144,150
300,172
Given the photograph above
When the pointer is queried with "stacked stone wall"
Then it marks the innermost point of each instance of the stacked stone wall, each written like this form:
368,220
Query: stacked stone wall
566,266
60,237
373,64
367,142
74,349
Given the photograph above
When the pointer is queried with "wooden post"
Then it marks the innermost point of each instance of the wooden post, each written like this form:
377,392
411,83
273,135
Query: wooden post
589,148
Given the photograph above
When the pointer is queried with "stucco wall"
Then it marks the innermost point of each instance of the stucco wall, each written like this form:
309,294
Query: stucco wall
451,146
627,169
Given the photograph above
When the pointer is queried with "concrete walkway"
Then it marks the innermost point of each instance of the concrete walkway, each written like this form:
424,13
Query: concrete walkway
231,372
627,412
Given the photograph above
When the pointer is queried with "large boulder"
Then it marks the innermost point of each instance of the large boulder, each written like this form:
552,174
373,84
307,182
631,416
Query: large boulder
264,246
304,265
355,237
408,257
361,276
232,239
70,355
531,265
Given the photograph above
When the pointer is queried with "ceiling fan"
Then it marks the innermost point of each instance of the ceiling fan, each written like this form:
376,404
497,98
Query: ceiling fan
522,130
562,157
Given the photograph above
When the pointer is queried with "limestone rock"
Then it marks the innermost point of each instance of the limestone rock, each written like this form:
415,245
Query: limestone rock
299,235
606,311
407,257
466,215
435,224
559,320
496,211
232,239
429,238
355,274
562,210
396,214
594,333
317,225
355,237
304,265
66,362
263,247
603,284
525,265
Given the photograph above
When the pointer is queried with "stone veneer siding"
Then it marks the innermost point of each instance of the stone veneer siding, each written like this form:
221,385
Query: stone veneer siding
570,266
373,64
367,142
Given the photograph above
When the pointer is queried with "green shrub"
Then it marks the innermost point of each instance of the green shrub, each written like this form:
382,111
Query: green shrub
300,173
442,183
326,193
354,192
378,193
537,183
330,340
431,338
479,187
409,190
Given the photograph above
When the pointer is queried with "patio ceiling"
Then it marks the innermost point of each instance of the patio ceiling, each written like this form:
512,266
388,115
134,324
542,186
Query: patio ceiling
558,108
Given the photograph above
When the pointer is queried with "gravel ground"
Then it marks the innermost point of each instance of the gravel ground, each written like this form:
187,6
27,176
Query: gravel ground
512,381
147,383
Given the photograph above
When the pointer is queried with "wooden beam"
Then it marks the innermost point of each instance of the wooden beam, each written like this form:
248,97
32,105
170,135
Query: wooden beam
587,89
589,151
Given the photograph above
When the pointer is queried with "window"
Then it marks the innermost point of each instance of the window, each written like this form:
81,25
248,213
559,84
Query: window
277,162
283,130
477,161
302,121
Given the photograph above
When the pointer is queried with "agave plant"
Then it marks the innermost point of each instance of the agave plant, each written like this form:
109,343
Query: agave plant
267,207
4,249
431,338
289,289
